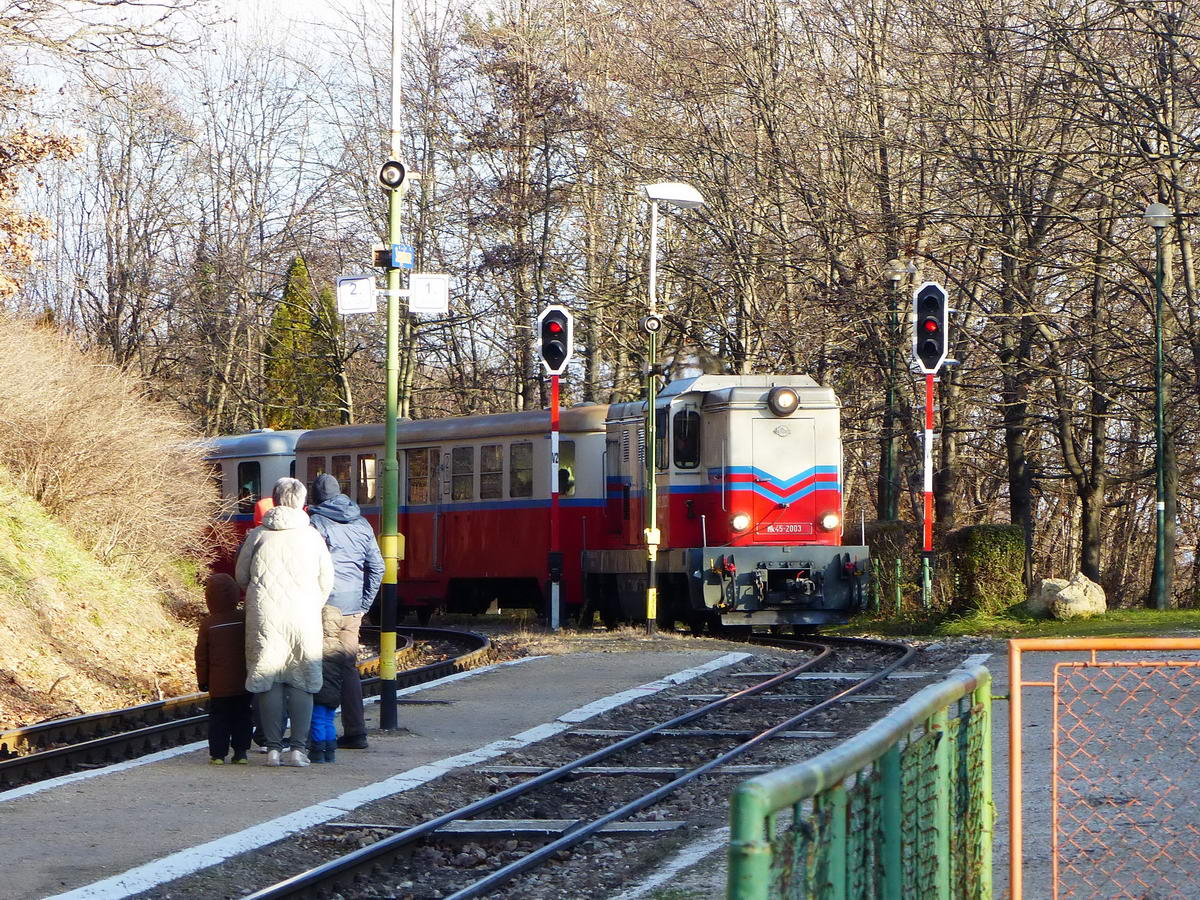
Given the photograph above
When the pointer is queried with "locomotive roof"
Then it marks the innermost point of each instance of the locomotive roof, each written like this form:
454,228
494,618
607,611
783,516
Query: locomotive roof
263,442
741,391
409,431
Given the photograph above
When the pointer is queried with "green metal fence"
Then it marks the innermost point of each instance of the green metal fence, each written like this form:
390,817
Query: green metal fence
902,810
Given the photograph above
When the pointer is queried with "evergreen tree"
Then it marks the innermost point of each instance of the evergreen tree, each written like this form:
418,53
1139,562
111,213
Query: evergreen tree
303,389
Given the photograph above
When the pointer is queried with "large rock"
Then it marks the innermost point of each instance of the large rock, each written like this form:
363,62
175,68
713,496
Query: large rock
1043,594
1082,598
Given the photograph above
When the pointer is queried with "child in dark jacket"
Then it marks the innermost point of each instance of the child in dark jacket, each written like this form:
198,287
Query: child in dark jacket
335,660
221,670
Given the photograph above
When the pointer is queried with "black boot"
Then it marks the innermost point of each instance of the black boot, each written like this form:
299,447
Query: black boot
330,751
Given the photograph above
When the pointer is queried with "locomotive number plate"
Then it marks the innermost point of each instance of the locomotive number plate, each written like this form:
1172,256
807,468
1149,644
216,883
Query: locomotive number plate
788,528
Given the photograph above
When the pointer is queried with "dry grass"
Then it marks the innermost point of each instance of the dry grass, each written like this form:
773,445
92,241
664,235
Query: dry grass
119,471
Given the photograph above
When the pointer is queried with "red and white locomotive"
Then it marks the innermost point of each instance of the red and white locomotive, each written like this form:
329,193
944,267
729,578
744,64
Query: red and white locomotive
749,472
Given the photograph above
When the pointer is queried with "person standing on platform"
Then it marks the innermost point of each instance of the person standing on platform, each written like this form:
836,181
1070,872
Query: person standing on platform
221,671
358,572
286,570
336,661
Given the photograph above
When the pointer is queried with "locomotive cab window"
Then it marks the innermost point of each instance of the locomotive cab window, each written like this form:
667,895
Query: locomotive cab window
419,475
341,471
520,470
249,486
316,466
367,479
491,472
660,438
462,473
566,468
686,438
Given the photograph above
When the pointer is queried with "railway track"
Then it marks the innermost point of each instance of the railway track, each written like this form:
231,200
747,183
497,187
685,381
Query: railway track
49,749
381,865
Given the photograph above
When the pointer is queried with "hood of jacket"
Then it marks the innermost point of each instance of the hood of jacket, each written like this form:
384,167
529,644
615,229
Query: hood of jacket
339,508
282,518
221,593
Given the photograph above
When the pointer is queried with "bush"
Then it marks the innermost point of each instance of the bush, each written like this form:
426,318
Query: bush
123,473
986,563
889,541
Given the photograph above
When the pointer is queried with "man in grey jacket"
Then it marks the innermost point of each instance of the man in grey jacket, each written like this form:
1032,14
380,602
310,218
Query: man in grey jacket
357,573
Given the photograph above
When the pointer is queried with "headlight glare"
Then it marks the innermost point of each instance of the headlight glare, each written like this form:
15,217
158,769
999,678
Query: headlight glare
740,521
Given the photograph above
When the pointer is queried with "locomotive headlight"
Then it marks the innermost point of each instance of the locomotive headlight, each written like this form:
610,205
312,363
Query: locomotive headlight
740,521
830,521
783,401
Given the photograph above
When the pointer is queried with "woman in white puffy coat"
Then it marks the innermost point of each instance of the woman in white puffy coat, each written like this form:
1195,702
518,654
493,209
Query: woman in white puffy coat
287,572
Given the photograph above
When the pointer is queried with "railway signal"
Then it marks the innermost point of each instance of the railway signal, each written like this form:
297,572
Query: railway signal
930,343
555,335
930,337
555,332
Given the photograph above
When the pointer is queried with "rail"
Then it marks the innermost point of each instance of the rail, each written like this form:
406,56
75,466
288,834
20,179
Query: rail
904,809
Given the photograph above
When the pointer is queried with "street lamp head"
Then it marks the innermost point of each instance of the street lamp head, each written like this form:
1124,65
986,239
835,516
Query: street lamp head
1157,215
676,193
894,271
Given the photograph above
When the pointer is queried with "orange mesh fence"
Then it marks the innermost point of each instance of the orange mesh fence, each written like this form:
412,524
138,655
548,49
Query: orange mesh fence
1125,770
1126,811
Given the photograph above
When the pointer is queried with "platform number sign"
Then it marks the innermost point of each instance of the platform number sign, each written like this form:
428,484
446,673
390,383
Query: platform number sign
356,294
930,327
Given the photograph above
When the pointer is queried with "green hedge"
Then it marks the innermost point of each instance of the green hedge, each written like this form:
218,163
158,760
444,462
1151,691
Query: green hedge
985,563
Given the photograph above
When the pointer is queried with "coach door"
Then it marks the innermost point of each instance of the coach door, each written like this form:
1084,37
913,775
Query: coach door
783,454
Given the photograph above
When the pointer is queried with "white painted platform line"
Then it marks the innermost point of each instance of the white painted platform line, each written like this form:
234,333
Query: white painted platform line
185,862
717,839
51,783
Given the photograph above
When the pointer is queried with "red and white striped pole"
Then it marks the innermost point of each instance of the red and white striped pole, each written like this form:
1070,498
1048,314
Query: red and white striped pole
555,552
926,578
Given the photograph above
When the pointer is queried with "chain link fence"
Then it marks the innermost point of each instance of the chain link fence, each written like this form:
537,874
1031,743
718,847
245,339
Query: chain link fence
1126,766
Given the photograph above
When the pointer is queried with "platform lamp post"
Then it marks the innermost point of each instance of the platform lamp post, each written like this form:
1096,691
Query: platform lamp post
889,497
683,196
393,177
1158,216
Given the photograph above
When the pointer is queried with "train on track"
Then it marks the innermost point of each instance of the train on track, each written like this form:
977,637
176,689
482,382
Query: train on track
749,473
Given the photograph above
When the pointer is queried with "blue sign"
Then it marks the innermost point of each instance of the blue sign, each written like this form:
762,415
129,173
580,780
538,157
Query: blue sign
402,256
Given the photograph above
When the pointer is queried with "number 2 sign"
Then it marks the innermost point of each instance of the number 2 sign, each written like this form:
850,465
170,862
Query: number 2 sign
356,294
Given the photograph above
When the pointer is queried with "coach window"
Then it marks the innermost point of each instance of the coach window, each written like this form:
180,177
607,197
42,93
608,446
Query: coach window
249,486
462,473
366,479
566,468
520,470
491,472
660,438
686,443
316,466
418,475
341,471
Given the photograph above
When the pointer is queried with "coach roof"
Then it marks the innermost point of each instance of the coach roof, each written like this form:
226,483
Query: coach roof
460,428
264,442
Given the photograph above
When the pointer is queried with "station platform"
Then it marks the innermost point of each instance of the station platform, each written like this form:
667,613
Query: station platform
123,829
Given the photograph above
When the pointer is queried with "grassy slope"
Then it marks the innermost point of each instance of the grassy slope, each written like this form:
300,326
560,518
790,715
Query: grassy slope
77,635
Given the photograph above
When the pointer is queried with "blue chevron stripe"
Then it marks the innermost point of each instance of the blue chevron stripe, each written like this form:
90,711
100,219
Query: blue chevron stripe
768,477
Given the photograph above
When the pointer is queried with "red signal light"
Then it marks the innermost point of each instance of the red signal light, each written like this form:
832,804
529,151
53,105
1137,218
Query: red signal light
930,325
554,327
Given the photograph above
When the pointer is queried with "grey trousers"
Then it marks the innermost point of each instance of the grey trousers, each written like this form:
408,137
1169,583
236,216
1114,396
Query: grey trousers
270,707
